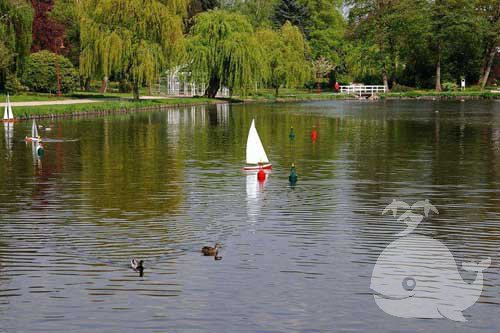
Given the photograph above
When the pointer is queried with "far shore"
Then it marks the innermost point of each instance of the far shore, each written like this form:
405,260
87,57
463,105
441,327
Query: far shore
42,106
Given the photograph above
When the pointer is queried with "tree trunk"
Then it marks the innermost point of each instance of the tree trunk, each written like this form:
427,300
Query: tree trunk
135,90
104,85
438,69
393,74
487,68
384,78
213,87
87,84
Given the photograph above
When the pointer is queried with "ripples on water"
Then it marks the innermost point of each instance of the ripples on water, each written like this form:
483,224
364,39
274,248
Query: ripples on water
160,185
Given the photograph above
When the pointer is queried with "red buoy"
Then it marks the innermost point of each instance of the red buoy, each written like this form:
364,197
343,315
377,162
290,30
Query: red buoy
261,175
314,134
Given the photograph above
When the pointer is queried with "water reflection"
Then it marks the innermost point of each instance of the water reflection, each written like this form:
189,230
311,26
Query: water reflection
9,137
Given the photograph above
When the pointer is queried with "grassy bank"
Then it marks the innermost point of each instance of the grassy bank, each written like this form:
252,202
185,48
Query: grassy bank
293,96
25,112
432,94
32,98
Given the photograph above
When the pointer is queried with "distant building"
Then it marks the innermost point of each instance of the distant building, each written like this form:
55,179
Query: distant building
179,83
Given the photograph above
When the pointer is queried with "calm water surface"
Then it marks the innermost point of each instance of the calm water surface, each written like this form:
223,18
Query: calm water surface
160,185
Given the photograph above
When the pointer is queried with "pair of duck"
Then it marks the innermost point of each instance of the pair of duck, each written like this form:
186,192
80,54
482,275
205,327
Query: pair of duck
138,265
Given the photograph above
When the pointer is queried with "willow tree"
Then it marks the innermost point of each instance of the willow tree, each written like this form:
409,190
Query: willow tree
16,17
223,51
134,39
286,53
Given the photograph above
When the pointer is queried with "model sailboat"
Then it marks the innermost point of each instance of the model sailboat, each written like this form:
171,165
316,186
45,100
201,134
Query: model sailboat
256,155
8,116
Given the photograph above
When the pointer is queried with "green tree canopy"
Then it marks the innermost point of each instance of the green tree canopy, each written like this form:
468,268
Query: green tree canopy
326,36
136,39
223,51
293,11
286,54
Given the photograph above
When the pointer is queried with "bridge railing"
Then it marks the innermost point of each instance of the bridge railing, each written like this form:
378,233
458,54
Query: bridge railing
362,89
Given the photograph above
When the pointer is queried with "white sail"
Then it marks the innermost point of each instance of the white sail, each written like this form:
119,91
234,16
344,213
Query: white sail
255,151
34,130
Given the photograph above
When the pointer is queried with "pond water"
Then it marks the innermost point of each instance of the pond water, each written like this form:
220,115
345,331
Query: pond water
160,185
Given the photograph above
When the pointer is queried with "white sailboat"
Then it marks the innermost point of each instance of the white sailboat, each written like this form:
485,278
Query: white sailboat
8,116
256,155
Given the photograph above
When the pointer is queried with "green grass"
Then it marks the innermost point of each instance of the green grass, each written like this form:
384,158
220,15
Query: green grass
105,106
39,97
444,94
291,95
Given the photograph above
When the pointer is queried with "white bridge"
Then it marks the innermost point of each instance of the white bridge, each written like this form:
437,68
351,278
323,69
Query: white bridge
359,89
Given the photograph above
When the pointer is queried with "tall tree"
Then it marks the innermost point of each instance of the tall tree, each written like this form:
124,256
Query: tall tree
286,54
46,31
489,16
326,36
450,19
16,17
370,21
293,11
223,51
136,39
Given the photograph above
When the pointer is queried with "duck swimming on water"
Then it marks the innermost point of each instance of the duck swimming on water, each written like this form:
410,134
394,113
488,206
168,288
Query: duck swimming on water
211,251
137,265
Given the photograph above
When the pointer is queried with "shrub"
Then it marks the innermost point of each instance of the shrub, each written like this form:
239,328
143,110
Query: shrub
400,88
449,86
124,86
40,73
12,84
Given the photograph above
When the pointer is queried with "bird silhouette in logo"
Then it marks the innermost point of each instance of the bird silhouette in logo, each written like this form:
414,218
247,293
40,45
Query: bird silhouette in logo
411,219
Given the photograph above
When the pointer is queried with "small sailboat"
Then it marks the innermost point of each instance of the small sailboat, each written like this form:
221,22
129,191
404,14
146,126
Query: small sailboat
256,155
34,134
8,116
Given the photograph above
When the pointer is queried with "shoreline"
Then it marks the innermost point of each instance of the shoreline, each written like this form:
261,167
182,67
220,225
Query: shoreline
106,106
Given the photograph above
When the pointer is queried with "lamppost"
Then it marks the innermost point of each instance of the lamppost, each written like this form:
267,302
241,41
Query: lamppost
58,46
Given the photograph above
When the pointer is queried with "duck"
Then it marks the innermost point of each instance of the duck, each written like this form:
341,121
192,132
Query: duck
137,265
211,251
